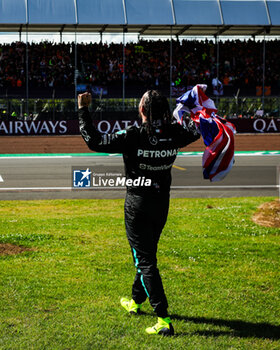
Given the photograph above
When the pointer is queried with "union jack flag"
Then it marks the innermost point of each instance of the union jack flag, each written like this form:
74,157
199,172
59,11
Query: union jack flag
217,133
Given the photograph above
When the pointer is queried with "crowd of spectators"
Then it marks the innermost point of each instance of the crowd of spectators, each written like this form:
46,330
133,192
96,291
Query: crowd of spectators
49,65
147,63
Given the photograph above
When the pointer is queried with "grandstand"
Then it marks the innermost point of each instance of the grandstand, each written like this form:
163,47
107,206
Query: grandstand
31,72
147,65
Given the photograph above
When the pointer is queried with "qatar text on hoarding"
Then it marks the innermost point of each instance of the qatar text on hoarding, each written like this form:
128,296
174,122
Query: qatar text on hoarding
71,127
111,126
267,125
62,127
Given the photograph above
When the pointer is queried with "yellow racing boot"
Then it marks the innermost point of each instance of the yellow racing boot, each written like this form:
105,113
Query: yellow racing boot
163,327
131,306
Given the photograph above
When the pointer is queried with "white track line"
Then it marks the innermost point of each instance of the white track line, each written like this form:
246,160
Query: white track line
118,188
36,157
235,155
225,186
34,188
183,154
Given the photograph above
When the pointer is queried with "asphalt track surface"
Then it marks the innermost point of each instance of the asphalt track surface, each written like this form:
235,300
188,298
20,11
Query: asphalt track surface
51,177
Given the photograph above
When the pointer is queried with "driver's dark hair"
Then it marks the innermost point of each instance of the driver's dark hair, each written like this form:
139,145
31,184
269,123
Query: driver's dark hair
155,107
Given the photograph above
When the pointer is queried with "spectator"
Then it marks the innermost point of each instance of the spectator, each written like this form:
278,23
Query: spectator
147,63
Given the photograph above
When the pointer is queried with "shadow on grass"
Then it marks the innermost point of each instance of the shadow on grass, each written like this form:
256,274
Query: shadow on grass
238,328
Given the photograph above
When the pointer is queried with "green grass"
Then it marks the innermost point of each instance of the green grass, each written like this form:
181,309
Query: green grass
219,269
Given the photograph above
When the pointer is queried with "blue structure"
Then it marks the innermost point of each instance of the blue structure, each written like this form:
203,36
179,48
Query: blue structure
147,17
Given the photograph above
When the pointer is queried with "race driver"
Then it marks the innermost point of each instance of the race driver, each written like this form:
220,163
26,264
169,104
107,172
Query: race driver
149,152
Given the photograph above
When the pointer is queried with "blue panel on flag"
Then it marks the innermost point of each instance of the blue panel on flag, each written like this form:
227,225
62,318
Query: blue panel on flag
51,12
274,11
197,12
149,12
12,11
244,12
100,12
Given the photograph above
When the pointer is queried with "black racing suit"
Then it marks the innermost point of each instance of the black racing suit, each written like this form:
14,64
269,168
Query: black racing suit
150,157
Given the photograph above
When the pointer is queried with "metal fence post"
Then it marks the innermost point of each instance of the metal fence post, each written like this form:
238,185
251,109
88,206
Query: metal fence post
76,71
27,72
263,82
170,70
218,64
123,75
